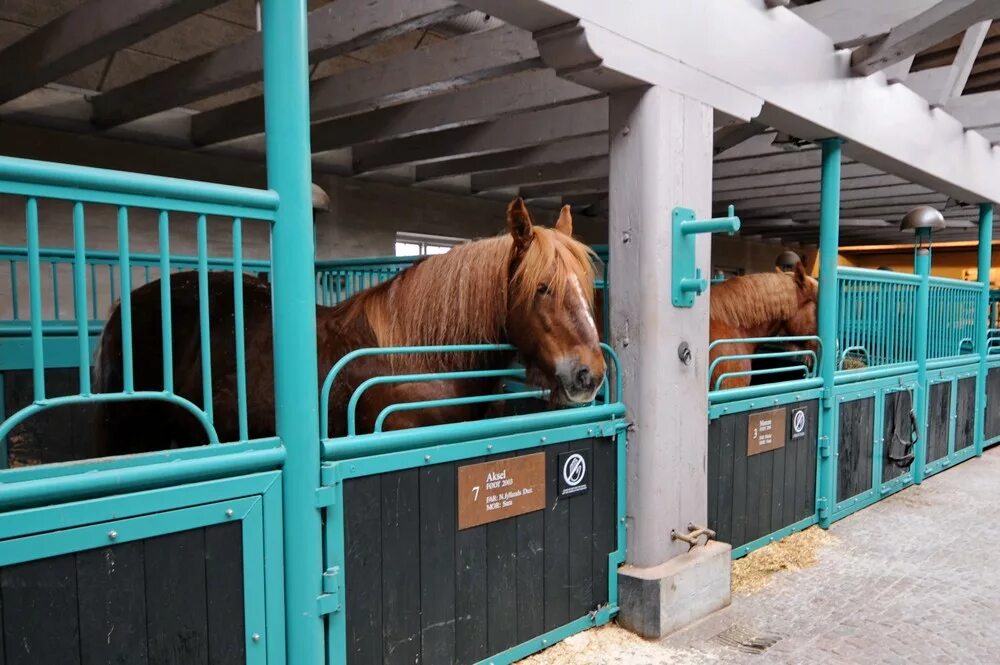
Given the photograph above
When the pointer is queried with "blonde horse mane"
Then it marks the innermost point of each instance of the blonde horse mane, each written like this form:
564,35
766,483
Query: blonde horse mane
752,300
462,296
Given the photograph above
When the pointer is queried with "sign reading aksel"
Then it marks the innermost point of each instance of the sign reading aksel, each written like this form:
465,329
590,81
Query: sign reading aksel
502,488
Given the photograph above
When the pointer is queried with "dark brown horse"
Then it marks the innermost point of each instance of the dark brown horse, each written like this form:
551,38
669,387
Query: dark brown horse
759,305
531,288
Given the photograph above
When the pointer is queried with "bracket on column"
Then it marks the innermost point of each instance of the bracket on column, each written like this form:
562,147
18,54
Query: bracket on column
686,279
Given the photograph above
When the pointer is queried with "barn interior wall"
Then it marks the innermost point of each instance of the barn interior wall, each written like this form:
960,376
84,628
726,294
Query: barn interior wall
735,252
954,262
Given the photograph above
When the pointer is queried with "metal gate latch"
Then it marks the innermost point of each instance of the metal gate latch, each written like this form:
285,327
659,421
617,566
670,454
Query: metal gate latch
694,533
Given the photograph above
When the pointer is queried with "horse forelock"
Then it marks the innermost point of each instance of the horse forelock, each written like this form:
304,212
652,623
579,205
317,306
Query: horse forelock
756,299
462,296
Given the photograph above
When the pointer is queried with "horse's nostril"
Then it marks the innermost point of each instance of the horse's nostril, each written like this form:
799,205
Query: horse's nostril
584,379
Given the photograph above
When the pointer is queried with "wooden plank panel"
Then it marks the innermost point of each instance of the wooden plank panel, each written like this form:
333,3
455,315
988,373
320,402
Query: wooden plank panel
762,491
854,464
993,403
806,475
605,518
3,659
112,593
581,537
790,489
714,468
556,546
965,410
400,581
225,594
938,421
177,617
530,575
724,479
896,423
740,504
753,466
501,574
470,592
777,480
437,563
363,569
41,620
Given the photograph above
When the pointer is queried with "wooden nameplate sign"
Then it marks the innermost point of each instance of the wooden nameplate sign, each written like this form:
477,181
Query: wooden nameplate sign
499,489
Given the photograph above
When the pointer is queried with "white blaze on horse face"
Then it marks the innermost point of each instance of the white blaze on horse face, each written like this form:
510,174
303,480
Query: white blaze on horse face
583,312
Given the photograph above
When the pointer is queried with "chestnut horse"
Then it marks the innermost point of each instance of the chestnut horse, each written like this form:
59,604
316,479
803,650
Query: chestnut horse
532,287
759,305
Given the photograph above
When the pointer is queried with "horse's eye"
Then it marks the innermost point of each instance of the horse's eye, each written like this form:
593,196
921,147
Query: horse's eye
543,289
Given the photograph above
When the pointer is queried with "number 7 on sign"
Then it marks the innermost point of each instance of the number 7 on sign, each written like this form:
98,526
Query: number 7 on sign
475,491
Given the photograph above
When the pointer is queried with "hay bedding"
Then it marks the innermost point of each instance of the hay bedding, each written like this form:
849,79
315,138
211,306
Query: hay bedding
755,571
607,645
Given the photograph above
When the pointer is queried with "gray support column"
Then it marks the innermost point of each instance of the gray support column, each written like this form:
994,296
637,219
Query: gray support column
661,157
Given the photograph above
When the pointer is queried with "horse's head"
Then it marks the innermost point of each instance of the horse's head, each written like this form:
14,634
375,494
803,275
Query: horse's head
550,308
803,321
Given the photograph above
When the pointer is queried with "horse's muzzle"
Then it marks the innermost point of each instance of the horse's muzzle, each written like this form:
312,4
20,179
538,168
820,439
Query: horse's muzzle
578,381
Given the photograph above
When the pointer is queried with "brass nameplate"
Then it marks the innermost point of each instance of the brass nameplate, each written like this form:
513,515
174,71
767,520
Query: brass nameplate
502,488
765,431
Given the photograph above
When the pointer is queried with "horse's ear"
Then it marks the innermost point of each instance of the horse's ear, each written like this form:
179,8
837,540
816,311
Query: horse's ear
564,224
800,275
519,223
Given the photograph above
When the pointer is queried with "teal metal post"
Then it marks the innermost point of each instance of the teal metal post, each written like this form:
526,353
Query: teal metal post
286,105
922,268
982,322
829,248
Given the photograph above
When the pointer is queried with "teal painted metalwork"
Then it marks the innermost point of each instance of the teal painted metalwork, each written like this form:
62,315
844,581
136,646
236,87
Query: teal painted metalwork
30,178
289,173
786,396
204,327
717,397
241,365
125,273
166,321
455,401
984,258
35,300
80,297
921,268
686,280
4,452
808,370
875,316
829,226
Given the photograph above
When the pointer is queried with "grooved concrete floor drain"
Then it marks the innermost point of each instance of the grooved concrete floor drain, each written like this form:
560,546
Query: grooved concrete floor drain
745,640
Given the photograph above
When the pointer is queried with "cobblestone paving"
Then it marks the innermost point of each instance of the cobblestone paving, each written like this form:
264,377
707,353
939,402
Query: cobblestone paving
912,579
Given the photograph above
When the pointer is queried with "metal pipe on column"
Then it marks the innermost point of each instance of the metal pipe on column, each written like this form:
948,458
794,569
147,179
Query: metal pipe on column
982,321
829,241
289,171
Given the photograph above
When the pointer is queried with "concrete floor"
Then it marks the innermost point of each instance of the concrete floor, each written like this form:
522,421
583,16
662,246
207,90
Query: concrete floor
912,579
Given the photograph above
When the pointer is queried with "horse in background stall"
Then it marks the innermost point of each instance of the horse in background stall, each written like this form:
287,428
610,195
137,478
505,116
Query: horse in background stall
765,304
532,287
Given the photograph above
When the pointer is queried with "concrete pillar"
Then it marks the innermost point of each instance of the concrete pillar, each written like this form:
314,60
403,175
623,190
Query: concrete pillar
661,157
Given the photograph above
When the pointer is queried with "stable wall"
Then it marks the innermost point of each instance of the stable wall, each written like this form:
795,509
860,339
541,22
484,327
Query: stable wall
954,260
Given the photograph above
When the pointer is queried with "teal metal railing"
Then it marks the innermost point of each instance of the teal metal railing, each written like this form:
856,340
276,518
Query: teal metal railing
875,316
801,360
354,444
100,270
34,181
954,307
339,279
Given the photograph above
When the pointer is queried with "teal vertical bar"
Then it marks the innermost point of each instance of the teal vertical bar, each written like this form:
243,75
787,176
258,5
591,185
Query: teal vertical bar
80,297
204,327
166,316
985,257
14,304
241,363
286,105
35,301
922,268
125,272
93,290
829,241
4,453
54,266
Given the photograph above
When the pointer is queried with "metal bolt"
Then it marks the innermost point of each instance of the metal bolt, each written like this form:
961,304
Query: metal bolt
255,637
229,512
427,458
112,535
544,439
625,130
489,446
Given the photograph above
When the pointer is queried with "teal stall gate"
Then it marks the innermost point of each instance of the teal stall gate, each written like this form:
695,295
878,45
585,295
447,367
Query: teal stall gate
182,553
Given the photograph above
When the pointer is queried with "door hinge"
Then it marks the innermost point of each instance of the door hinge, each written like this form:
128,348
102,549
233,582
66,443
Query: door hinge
329,600
821,509
325,497
824,446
